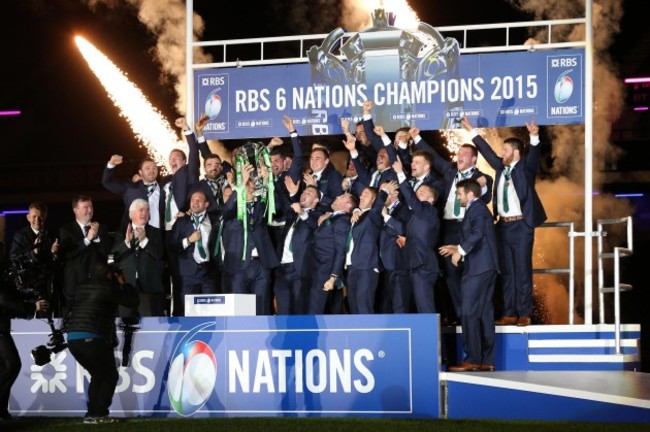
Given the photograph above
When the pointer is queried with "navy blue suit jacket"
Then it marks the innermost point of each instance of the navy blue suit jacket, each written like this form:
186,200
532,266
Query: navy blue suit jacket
365,177
184,177
183,228
478,240
129,191
422,231
329,245
202,185
448,171
523,175
301,241
365,235
295,172
392,256
329,184
258,237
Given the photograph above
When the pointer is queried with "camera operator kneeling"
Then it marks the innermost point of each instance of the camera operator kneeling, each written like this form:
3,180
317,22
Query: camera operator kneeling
92,334
12,305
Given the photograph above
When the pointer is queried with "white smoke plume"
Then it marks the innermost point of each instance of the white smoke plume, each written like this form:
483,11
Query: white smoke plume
166,20
563,197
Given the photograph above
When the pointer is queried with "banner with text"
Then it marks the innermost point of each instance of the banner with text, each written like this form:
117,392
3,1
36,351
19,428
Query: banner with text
376,366
493,90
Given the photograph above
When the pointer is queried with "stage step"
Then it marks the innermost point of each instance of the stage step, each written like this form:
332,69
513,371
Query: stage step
595,396
558,347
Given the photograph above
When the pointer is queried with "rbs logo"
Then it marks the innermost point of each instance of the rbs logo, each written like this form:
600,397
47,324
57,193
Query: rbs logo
564,62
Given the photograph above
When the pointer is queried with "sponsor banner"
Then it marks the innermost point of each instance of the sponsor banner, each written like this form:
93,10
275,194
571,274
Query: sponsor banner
378,366
493,90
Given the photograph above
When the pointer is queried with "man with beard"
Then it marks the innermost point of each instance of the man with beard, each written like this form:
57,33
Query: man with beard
519,212
452,212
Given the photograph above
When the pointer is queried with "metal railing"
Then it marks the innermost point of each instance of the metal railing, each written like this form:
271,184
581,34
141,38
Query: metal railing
561,270
302,42
616,255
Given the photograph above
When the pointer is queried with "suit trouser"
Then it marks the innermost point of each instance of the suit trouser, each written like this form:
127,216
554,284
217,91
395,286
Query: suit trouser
362,287
98,358
291,291
423,283
324,302
451,235
516,260
254,279
399,290
10,365
477,317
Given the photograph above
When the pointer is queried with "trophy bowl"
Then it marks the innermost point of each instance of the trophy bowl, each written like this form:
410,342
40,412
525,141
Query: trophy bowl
252,152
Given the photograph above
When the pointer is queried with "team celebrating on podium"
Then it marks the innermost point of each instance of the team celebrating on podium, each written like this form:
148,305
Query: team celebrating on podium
405,230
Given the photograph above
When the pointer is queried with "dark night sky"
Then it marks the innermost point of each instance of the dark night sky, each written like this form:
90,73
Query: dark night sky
66,110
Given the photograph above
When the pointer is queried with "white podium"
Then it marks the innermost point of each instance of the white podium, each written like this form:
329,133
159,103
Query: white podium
220,304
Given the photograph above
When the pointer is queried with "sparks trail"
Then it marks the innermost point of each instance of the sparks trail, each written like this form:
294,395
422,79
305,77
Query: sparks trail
148,124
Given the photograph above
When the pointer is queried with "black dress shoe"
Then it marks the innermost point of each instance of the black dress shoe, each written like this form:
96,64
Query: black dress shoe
487,368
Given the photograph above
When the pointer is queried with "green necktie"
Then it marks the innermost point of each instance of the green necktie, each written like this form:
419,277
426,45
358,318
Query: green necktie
168,205
199,244
506,174
217,245
375,181
292,230
348,243
457,201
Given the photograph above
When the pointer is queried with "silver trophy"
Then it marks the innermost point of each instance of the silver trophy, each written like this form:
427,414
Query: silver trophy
252,152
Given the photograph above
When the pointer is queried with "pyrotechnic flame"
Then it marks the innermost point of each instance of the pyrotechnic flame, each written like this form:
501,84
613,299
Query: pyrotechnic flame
406,18
148,124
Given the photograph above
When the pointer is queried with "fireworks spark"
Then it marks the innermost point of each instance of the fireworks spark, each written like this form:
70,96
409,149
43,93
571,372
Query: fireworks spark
148,124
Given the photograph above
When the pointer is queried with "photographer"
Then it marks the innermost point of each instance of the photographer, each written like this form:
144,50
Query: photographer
92,334
12,305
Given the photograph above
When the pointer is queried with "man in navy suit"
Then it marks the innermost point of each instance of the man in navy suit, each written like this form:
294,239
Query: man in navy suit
477,250
194,236
249,253
394,291
362,257
519,211
329,242
382,171
422,232
293,276
214,181
451,210
146,187
324,176
378,138
278,160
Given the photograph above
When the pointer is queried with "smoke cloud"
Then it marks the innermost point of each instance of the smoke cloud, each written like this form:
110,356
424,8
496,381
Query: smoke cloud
563,196
166,20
